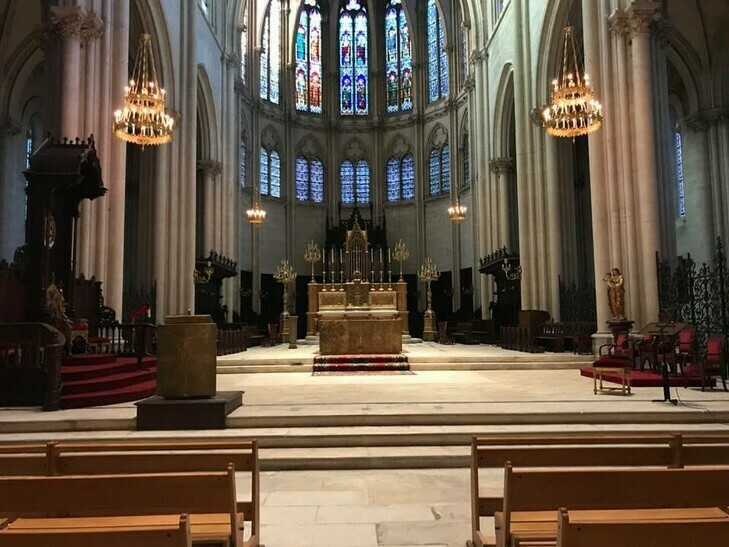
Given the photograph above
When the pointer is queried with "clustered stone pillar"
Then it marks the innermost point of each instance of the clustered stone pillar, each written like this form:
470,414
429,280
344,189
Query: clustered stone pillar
503,168
212,213
10,237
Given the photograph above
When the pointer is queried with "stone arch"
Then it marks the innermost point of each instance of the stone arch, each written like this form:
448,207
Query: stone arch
504,130
398,146
207,134
438,137
310,147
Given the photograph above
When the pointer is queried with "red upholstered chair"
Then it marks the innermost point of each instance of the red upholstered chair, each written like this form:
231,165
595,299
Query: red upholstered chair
621,349
714,360
679,352
646,351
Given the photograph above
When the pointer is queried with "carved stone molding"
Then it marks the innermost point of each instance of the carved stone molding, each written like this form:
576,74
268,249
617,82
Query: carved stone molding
210,168
8,127
704,119
75,21
502,166
399,146
619,23
231,60
641,16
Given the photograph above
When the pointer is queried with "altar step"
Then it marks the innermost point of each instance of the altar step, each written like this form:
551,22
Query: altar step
366,448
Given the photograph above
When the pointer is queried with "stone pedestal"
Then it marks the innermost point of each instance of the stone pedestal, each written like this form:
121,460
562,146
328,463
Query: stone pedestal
429,328
624,326
159,414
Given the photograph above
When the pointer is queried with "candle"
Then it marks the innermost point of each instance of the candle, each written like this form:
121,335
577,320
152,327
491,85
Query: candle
340,257
389,256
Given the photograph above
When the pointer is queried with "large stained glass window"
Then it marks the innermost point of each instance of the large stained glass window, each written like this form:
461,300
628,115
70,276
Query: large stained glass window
309,179
270,173
243,163
244,48
401,178
681,189
437,55
271,53
464,53
353,59
439,171
308,77
398,58
355,180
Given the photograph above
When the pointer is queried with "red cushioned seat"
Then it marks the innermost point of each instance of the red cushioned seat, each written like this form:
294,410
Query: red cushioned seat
611,362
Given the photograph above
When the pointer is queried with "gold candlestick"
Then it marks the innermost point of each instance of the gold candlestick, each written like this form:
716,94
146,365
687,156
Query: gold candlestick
285,274
312,256
401,254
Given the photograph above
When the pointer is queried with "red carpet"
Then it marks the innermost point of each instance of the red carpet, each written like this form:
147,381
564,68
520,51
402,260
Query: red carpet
650,379
96,380
360,364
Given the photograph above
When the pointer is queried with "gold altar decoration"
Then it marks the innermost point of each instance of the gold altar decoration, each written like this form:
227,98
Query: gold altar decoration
285,274
574,110
144,119
428,273
356,248
616,293
401,254
457,212
200,278
312,256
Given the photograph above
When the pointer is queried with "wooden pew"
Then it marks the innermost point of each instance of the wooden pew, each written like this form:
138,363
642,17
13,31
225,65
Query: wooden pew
585,450
532,497
209,498
655,529
109,532
111,458
24,459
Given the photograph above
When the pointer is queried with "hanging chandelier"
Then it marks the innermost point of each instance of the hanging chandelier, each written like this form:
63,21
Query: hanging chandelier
256,215
457,212
144,120
574,111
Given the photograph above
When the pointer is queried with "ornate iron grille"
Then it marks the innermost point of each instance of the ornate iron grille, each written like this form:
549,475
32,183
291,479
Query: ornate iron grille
577,303
696,295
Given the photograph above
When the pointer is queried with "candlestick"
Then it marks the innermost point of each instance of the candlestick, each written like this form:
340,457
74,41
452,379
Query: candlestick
372,280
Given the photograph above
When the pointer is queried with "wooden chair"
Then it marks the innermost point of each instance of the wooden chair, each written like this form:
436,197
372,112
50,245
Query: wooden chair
656,528
208,497
712,362
112,532
273,337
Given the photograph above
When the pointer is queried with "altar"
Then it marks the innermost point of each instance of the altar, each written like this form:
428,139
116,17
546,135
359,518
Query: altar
357,312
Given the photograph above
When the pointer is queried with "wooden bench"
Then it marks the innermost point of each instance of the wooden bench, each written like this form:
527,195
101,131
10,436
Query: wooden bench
166,531
209,498
532,497
585,450
23,459
640,528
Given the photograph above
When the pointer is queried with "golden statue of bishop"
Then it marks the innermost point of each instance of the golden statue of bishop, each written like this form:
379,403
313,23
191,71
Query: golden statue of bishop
616,293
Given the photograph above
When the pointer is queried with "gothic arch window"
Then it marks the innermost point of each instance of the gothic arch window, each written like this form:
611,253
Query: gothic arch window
205,7
398,58
309,179
465,154
680,187
439,170
243,163
271,53
244,48
308,45
353,59
437,55
355,179
270,173
401,178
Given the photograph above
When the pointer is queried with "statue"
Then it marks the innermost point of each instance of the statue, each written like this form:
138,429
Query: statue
616,293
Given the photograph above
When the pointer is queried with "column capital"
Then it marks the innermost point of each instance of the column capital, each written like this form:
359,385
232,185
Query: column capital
619,23
231,59
210,168
8,127
703,119
75,21
641,16
502,166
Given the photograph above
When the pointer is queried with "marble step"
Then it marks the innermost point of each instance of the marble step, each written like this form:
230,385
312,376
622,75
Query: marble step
415,366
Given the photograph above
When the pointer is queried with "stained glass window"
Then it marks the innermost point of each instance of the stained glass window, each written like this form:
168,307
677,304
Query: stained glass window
28,148
308,77
271,53
243,164
244,48
353,59
679,177
398,58
464,53
205,7
400,178
439,171
270,173
355,180
499,7
309,179
437,55
466,155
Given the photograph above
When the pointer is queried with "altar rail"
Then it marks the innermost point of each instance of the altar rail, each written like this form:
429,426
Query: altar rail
127,339
30,364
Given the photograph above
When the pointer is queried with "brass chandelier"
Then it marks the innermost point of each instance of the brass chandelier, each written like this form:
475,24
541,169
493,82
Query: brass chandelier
144,119
574,110
256,215
457,212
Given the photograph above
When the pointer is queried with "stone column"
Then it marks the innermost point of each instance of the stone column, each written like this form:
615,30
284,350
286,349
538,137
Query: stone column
641,15
12,229
210,170
503,168
69,22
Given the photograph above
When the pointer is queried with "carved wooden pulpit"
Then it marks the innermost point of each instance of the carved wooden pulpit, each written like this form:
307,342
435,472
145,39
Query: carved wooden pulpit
60,176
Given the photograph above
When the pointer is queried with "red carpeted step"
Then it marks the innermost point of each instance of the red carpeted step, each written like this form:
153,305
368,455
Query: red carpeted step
87,372
108,382
110,397
89,359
